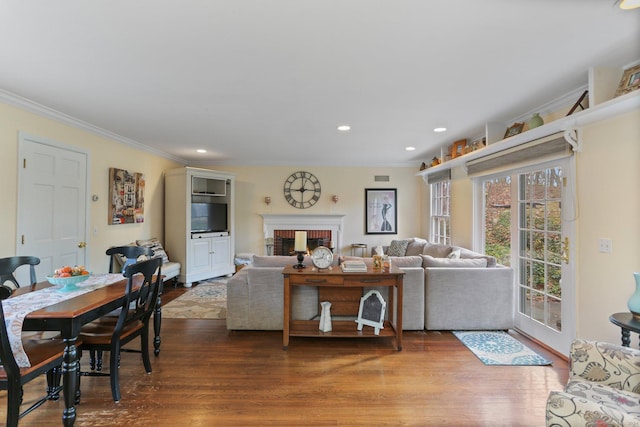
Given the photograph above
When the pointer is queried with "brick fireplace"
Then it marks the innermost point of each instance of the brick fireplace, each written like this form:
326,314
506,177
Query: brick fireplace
283,240
321,229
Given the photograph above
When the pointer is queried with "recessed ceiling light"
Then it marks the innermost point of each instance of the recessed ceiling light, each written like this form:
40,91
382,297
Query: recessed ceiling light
410,148
440,130
201,151
344,128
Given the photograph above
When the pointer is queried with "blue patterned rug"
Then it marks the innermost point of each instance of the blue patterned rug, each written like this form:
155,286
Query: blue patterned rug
499,348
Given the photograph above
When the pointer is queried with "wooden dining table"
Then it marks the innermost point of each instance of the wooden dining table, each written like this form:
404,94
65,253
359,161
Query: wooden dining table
68,317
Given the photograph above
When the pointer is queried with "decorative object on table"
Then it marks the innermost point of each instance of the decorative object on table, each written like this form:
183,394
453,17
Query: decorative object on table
630,81
300,247
377,262
206,300
325,316
68,277
302,189
535,121
126,195
634,301
322,257
353,266
386,263
578,103
457,149
499,348
381,211
371,312
514,129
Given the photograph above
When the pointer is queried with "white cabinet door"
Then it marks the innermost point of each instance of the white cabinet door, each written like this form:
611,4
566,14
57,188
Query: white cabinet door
221,256
200,256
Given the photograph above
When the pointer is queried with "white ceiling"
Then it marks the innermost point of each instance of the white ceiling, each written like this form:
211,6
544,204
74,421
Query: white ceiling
266,82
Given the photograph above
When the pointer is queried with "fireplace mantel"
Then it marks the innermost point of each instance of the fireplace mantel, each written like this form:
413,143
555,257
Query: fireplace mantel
331,222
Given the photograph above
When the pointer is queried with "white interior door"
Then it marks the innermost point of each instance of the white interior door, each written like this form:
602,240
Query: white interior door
52,205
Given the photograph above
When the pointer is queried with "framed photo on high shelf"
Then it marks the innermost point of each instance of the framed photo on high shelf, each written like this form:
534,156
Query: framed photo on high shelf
630,81
514,129
381,211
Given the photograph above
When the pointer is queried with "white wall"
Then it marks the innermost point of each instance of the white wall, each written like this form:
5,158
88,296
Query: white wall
608,176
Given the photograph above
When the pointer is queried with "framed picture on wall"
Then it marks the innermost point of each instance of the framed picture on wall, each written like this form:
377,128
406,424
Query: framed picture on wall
381,211
126,196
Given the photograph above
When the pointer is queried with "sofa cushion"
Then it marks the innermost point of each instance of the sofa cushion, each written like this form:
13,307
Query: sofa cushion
437,251
416,246
429,261
156,246
398,247
468,254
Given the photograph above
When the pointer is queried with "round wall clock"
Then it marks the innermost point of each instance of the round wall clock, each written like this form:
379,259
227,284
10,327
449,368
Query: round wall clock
322,257
302,189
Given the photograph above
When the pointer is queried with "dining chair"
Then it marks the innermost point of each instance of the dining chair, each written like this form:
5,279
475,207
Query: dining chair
45,357
9,265
111,333
130,253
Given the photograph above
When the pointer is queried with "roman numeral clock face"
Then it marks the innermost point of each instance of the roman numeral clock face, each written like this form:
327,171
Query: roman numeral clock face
302,190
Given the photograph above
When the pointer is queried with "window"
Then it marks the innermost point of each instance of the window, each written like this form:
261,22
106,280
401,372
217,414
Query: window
440,212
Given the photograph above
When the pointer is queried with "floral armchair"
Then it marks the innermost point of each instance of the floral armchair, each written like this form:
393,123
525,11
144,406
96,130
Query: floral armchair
603,388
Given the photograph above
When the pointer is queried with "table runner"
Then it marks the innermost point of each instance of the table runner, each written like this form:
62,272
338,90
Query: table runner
17,308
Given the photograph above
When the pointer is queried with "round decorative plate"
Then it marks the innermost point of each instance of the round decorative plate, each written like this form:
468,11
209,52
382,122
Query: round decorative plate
322,257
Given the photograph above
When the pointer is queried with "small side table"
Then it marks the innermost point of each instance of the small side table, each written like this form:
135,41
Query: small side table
627,324
362,247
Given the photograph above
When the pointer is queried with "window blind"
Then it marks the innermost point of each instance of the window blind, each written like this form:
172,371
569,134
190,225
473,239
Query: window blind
443,175
548,148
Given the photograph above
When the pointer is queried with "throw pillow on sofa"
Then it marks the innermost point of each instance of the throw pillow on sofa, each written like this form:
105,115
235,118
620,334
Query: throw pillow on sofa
398,247
156,246
429,261
437,250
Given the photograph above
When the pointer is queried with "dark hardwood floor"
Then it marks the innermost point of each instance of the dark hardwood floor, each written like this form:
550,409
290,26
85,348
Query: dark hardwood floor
205,376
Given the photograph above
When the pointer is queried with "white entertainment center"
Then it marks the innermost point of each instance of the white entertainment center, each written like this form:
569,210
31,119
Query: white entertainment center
198,224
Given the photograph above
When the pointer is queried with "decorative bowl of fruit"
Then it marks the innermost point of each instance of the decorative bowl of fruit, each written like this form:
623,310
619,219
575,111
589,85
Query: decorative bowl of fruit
68,277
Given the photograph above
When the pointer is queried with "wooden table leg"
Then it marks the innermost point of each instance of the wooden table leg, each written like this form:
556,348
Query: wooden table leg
286,314
70,380
399,299
626,337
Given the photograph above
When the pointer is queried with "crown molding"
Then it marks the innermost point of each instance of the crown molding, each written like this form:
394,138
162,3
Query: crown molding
49,113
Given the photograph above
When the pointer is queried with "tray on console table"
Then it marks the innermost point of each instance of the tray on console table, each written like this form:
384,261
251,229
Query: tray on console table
336,278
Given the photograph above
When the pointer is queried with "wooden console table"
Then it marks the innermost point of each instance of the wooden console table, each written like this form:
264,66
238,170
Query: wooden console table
627,323
335,278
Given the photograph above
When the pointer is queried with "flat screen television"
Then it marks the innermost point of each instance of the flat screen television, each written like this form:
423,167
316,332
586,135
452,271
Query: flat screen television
208,217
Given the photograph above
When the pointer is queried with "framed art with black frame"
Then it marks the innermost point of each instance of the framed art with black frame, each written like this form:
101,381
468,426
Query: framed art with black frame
381,211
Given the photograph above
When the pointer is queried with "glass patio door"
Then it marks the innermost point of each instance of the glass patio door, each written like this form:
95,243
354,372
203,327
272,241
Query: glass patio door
544,281
528,225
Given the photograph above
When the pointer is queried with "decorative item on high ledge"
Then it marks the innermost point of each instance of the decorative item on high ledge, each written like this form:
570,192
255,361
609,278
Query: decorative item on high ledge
634,302
514,129
630,81
535,121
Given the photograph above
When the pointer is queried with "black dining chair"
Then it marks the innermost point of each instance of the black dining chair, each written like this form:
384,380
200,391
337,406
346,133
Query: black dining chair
45,357
9,265
129,253
111,333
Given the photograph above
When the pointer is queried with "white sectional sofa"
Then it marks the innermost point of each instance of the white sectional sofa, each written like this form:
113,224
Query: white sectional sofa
445,288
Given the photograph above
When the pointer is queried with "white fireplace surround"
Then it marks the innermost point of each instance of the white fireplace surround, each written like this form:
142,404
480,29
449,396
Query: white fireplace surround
302,222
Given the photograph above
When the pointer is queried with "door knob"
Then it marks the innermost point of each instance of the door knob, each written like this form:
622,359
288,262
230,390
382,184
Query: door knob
82,244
